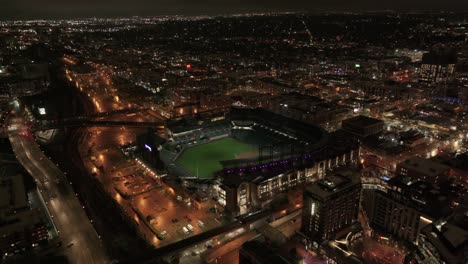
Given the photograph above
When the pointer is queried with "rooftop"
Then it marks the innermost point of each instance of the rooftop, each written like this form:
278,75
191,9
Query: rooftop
449,239
331,185
439,58
423,196
363,121
454,235
425,166
12,192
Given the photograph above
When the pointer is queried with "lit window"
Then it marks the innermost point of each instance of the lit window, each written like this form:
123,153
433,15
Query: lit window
312,209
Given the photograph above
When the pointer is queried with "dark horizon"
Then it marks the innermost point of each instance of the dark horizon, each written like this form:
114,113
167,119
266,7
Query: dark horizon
54,9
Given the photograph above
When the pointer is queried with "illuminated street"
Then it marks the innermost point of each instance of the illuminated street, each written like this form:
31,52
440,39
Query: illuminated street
74,227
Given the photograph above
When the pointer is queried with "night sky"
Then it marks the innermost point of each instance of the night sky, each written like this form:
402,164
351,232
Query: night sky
27,9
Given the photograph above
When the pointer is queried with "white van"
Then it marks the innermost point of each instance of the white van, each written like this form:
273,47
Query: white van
190,227
186,231
200,223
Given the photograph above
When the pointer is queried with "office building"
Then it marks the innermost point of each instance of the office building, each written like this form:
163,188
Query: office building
407,207
21,227
363,126
437,67
330,206
423,169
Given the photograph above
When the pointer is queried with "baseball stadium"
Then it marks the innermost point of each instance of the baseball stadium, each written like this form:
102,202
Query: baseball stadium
241,140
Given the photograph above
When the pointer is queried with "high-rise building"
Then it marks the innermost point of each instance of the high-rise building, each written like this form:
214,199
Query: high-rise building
21,227
437,67
407,207
445,240
330,206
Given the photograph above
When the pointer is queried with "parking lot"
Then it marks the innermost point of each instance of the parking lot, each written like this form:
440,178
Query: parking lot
142,196
164,212
134,184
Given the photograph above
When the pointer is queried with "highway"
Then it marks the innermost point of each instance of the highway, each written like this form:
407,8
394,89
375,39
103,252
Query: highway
80,242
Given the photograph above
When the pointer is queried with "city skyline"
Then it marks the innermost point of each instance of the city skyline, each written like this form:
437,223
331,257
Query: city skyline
53,9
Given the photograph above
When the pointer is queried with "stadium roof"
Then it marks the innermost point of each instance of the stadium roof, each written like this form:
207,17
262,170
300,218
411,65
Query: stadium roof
306,132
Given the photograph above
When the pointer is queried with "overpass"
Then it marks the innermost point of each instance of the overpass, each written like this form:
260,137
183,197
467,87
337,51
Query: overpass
45,125
113,113
101,114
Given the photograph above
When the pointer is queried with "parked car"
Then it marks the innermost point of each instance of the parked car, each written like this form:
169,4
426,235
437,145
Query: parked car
200,223
190,227
161,235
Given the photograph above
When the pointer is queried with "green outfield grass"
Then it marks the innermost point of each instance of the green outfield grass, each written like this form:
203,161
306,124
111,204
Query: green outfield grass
204,160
